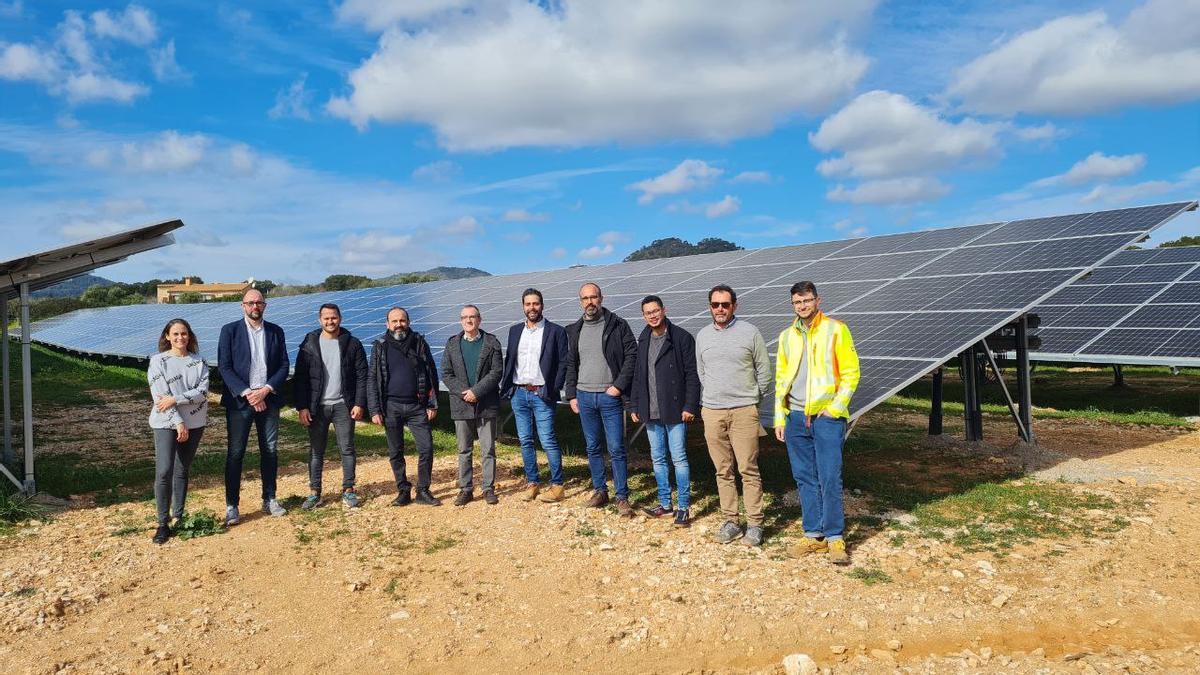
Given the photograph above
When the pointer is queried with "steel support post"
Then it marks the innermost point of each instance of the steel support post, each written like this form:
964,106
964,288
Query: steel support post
935,407
972,415
27,390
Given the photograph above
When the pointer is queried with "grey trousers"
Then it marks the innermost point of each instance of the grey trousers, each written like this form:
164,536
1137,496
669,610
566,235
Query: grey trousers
467,431
318,438
172,460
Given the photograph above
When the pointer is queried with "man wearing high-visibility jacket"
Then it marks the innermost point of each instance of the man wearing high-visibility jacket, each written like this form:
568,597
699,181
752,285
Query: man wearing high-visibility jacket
816,372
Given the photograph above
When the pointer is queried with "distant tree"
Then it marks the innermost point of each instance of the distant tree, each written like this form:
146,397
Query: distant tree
345,282
188,298
1189,240
673,247
265,285
110,296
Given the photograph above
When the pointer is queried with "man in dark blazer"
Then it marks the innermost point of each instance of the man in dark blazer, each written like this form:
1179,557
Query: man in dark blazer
665,395
252,359
472,364
534,372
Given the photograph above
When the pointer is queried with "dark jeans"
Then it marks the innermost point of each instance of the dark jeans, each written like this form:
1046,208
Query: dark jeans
238,422
815,453
413,416
318,438
172,460
599,414
531,411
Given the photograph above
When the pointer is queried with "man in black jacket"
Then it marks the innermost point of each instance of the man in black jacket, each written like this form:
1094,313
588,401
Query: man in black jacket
330,386
402,391
666,396
472,364
601,351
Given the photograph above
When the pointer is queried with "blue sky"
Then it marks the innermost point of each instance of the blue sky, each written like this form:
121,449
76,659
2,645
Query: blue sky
298,140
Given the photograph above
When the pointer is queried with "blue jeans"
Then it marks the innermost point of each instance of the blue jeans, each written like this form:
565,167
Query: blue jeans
815,453
238,421
671,438
599,414
530,410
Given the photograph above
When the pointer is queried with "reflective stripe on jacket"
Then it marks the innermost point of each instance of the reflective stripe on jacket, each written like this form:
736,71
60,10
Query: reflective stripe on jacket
832,367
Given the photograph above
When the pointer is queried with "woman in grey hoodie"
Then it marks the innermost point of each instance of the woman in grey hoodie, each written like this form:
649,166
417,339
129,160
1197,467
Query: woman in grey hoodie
179,385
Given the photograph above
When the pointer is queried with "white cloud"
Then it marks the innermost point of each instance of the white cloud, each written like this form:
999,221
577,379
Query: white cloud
1086,63
242,159
164,65
525,216
88,87
205,238
726,207
292,101
83,230
171,151
605,245
882,135
1096,167
375,253
73,40
690,174
135,25
461,227
752,177
1043,132
378,15
1125,194
26,62
620,71
441,171
558,252
891,191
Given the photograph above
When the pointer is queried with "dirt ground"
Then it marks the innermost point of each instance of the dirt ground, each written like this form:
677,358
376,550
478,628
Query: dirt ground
556,588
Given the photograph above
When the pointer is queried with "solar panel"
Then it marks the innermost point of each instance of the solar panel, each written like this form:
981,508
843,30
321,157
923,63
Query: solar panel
1141,307
912,300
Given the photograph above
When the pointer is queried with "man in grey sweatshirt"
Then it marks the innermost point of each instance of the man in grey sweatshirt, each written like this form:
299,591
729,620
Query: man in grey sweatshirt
735,373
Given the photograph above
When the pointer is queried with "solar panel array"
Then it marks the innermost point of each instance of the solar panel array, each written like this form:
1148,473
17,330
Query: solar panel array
1142,306
912,300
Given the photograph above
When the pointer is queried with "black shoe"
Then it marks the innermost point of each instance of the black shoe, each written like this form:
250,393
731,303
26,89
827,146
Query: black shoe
490,497
464,497
682,519
402,499
657,512
426,497
161,535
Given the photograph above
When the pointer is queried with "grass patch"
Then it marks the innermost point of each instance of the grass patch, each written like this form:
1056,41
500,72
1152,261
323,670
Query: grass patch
24,592
61,379
202,523
870,575
16,508
996,516
441,543
586,531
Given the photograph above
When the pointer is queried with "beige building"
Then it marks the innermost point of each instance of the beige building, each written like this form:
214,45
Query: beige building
171,292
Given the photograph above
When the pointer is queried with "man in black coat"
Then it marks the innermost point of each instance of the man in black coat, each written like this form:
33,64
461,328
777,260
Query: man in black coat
600,358
252,359
330,386
534,368
402,391
472,364
666,396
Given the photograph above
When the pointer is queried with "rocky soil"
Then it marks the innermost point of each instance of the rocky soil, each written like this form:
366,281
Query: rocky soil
520,586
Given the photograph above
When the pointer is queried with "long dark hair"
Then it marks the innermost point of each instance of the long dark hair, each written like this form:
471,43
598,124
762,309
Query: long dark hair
164,344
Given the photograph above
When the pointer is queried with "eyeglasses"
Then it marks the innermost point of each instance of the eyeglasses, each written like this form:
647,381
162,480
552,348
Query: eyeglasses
472,317
254,303
720,305
804,301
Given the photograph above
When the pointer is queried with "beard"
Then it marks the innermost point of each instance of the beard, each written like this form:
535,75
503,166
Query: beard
400,334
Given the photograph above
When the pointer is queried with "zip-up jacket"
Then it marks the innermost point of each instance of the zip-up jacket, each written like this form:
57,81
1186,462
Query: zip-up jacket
423,369
832,367
620,352
308,382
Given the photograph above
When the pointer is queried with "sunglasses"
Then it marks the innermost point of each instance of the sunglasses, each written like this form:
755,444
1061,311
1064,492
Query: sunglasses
720,305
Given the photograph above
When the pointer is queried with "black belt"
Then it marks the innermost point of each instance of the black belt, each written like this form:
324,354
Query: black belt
530,387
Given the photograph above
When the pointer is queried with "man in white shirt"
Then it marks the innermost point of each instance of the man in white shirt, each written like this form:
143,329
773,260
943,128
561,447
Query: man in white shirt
534,371
252,359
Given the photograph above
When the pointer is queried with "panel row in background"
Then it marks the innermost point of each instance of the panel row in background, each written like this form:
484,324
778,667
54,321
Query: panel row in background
1143,306
913,300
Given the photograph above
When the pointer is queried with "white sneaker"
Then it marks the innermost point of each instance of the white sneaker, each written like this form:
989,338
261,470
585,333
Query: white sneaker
272,507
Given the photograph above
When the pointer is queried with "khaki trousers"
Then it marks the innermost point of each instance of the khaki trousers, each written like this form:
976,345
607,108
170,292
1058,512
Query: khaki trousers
732,438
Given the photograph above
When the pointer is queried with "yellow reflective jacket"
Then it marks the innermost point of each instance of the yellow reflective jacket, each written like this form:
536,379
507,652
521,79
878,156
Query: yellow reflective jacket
832,367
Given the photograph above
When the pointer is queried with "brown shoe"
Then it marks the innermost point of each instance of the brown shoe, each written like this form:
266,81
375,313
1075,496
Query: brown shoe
624,509
554,494
808,546
599,498
531,491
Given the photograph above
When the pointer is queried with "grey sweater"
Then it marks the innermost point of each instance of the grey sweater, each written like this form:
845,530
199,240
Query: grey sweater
185,378
733,365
